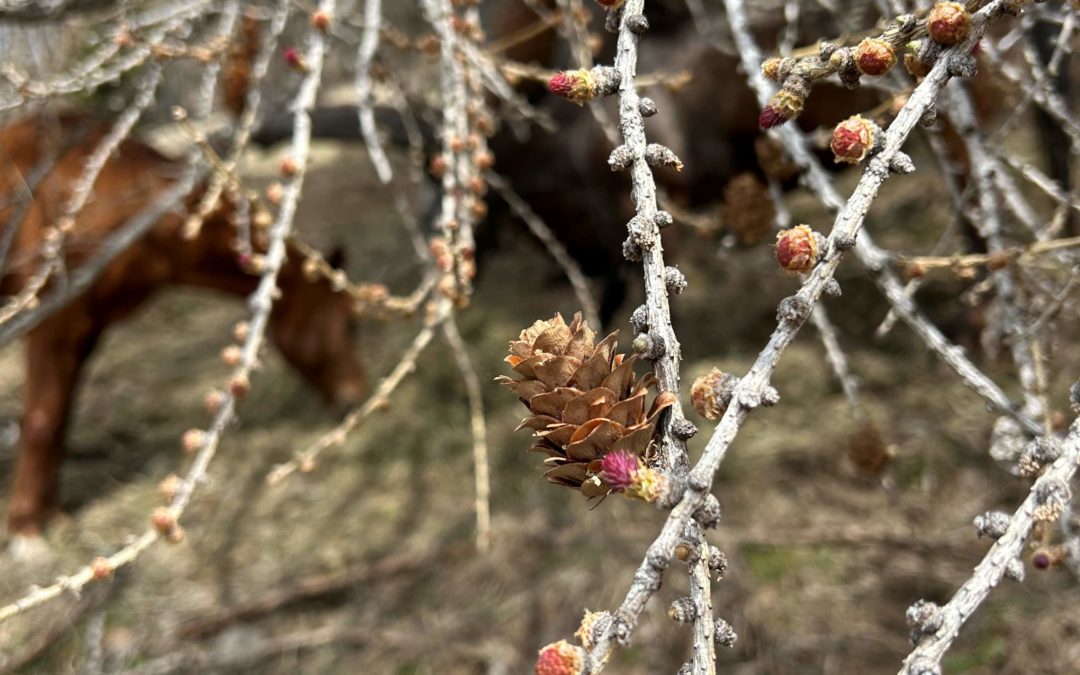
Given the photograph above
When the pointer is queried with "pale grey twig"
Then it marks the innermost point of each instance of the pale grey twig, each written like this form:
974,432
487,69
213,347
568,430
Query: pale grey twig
644,236
1043,500
792,10
252,101
365,53
704,660
834,354
991,229
1039,89
1040,180
953,177
477,422
95,643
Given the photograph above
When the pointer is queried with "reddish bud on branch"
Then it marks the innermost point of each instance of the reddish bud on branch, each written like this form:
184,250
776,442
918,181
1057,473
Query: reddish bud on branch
797,249
948,23
783,106
294,60
874,57
584,85
560,658
853,139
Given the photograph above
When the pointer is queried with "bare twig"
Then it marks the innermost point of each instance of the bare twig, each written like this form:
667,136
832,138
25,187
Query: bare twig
481,466
306,460
1044,502
369,44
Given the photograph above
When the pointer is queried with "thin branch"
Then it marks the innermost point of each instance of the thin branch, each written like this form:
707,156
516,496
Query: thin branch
369,44
704,661
1041,504
481,466
306,460
644,231
98,68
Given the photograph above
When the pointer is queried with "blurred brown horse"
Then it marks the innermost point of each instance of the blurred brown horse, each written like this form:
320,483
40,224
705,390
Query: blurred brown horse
310,324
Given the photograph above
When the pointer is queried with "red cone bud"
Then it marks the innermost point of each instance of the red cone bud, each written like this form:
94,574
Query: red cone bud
560,658
193,440
163,520
320,20
852,139
874,57
797,249
948,23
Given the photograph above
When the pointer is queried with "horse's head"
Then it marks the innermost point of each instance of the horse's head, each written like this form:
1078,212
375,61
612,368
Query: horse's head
314,328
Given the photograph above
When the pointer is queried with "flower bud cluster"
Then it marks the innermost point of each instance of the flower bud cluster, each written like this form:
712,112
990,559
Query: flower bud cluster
947,24
627,474
584,85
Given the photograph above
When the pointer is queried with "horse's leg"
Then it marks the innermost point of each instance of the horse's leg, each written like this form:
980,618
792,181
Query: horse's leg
55,353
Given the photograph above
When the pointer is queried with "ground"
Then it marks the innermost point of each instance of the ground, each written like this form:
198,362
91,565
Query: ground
823,559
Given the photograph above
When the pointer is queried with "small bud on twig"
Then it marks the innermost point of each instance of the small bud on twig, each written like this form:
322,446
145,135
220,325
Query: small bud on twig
294,60
711,393
992,524
321,20
101,569
674,280
924,618
637,23
797,249
683,428
874,57
718,563
853,139
593,625
621,158
708,514
724,634
948,23
192,440
649,346
682,610
783,106
1014,570
660,155
560,658
580,86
